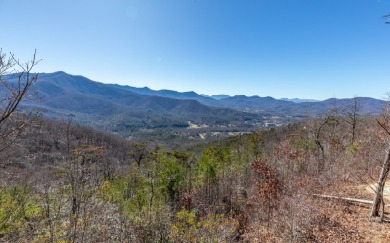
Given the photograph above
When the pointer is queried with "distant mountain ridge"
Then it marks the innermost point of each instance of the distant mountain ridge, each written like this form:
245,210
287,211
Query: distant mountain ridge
297,100
192,95
169,94
104,105
116,106
64,86
270,105
217,97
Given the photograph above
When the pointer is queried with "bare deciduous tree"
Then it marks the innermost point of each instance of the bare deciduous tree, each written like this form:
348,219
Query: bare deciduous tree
351,116
16,79
139,151
378,203
329,120
83,179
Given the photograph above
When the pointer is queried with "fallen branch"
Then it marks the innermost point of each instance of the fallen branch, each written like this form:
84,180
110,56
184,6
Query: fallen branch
348,199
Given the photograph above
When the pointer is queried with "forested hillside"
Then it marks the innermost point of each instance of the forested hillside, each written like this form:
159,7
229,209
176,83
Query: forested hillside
65,182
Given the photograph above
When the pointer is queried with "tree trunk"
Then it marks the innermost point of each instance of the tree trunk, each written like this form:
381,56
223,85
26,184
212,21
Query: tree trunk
378,200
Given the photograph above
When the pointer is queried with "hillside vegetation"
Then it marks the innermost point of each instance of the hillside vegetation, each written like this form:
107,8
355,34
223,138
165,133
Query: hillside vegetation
62,182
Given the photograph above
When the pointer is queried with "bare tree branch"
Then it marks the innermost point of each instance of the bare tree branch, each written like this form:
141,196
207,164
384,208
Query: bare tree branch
16,78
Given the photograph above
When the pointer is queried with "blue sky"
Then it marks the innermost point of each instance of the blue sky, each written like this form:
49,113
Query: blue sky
282,48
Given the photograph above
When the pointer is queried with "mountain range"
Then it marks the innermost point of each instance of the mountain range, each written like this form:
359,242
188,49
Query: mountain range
269,105
115,107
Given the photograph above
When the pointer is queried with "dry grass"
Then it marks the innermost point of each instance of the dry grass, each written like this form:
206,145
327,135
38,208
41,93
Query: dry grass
332,221
348,222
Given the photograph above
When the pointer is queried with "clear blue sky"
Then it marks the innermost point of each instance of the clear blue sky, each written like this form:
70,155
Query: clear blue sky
281,48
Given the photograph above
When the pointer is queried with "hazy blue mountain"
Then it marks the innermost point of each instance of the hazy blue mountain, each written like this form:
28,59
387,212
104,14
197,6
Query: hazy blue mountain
282,107
143,91
258,104
60,87
106,105
217,97
368,105
170,94
296,100
124,107
269,105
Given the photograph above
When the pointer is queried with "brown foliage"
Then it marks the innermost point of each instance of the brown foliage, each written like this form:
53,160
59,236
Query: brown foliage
268,184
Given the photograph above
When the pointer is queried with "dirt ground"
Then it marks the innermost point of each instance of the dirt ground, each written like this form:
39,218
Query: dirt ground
386,192
335,220
351,220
